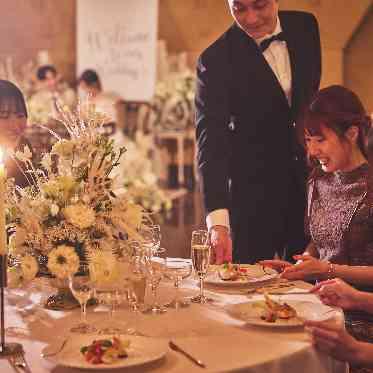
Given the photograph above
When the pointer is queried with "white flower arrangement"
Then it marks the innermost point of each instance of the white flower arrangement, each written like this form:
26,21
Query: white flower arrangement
69,211
173,105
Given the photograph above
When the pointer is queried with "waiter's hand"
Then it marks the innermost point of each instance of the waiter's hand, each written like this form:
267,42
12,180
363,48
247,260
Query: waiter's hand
221,244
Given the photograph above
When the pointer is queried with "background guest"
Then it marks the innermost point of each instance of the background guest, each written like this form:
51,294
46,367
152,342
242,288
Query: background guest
109,103
50,90
13,118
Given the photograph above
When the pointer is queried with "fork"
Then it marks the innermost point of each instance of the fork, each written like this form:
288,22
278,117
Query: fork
52,353
18,360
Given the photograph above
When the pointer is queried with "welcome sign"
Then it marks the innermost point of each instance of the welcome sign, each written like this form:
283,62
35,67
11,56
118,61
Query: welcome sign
118,39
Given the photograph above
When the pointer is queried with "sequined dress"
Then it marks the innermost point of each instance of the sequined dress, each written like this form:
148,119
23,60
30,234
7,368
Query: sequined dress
340,221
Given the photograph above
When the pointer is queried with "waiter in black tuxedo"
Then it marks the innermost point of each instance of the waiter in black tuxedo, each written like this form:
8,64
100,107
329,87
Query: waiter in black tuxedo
252,84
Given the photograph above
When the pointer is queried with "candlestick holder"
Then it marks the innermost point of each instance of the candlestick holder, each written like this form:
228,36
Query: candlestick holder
6,349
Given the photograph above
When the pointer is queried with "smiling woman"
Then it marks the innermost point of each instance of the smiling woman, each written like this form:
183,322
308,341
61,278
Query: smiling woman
339,217
13,117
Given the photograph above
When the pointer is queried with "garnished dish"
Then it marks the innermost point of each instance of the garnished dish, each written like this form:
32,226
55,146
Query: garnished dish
273,311
230,272
106,351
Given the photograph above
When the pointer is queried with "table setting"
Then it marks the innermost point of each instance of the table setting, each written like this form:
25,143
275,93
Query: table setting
86,285
215,336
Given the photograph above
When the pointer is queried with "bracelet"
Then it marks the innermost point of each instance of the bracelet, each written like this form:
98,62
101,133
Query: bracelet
330,272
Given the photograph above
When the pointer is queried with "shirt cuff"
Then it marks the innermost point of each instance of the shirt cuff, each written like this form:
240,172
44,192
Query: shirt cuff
218,217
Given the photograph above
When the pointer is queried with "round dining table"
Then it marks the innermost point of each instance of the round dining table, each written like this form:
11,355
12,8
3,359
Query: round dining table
207,332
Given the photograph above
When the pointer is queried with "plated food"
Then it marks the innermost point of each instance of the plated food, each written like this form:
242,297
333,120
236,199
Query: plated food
277,313
105,351
230,274
140,350
273,311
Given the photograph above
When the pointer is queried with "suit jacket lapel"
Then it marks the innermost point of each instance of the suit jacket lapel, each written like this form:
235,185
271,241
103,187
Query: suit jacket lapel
250,69
291,42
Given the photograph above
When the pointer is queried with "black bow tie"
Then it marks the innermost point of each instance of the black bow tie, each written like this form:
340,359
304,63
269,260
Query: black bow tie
266,42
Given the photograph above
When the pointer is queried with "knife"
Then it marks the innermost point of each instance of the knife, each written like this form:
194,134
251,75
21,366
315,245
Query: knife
175,347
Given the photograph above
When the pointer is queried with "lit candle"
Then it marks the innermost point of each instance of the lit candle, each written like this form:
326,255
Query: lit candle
3,240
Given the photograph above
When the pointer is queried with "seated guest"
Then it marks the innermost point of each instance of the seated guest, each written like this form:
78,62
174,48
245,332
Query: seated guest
340,200
335,340
50,90
13,118
109,103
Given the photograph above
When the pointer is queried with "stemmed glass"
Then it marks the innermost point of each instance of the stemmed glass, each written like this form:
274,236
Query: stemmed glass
81,286
177,271
201,249
112,297
151,235
154,269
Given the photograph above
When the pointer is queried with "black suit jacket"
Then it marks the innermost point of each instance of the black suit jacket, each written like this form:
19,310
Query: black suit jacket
248,157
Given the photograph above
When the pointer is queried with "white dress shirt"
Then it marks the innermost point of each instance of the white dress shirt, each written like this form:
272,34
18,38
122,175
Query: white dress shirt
277,56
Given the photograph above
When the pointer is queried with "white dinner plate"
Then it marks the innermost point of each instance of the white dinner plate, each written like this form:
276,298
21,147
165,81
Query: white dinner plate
251,311
142,350
254,275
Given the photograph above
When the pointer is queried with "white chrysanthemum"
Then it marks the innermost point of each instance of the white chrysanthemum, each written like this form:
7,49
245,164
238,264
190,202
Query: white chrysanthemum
29,267
63,261
80,215
104,269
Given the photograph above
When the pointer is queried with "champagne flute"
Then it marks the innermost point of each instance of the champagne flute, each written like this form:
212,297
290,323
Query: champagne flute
201,250
81,286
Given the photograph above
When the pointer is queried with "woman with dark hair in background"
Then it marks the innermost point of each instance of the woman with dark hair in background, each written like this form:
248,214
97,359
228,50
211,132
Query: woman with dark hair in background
110,103
13,120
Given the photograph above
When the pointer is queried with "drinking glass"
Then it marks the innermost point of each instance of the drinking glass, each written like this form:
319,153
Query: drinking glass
201,249
154,268
151,235
81,286
112,297
177,270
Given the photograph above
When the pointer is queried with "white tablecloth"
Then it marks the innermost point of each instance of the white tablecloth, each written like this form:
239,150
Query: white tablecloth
207,331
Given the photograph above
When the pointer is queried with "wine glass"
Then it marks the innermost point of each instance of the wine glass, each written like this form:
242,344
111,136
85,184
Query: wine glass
81,286
201,249
154,268
156,236
151,235
177,270
111,296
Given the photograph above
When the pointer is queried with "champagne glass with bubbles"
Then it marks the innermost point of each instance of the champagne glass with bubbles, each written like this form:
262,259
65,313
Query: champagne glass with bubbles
201,249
